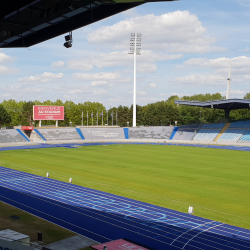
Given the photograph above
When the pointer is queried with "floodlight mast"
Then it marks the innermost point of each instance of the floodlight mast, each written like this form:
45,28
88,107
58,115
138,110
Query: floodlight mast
135,48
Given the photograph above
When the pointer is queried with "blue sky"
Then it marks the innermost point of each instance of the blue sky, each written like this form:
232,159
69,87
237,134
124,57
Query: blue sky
186,49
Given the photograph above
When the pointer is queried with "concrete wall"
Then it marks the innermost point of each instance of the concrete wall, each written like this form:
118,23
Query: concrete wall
103,133
52,134
151,132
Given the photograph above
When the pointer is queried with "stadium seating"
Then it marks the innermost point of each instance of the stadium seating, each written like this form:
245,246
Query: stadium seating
103,133
11,135
191,126
214,125
60,134
245,137
205,134
231,135
240,124
151,133
186,132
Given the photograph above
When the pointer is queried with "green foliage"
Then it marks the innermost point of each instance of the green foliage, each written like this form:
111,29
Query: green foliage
163,113
5,118
27,113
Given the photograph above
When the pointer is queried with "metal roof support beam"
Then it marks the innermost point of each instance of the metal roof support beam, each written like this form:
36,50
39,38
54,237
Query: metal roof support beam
227,113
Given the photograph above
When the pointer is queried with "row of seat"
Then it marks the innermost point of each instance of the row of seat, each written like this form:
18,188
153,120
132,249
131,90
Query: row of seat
11,135
237,131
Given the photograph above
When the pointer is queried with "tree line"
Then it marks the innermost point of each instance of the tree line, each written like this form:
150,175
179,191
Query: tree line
162,113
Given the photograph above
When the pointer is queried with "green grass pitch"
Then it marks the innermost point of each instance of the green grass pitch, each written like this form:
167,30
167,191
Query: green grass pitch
215,182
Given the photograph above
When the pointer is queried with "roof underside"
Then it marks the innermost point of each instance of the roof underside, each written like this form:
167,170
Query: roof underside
227,104
24,23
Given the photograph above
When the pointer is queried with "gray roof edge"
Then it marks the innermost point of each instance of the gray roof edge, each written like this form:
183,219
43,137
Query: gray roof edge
197,103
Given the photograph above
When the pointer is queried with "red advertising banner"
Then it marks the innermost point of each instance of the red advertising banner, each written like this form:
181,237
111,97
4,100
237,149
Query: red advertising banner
27,128
48,112
119,244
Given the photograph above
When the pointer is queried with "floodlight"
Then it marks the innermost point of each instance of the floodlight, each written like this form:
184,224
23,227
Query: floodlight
69,40
135,44
67,44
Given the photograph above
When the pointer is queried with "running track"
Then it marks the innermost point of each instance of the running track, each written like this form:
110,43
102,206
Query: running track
104,217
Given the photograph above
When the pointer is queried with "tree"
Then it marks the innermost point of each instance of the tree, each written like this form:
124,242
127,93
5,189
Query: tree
14,109
27,113
4,116
247,96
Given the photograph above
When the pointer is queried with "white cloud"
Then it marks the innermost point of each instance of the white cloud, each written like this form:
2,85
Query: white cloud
178,31
222,62
199,80
8,71
179,94
153,85
58,64
45,77
244,50
145,62
97,76
244,3
5,58
71,90
131,13
142,93
75,91
98,83
100,92
240,65
25,88
149,100
235,93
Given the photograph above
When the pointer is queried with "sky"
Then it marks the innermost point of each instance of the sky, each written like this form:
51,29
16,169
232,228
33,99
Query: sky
186,49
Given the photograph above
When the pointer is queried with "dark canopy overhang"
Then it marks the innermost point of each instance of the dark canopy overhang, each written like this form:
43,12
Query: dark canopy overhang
24,23
227,104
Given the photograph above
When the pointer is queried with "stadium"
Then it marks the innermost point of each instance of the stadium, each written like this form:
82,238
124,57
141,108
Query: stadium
105,185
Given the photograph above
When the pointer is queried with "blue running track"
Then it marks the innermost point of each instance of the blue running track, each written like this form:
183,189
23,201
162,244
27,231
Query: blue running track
104,217
75,145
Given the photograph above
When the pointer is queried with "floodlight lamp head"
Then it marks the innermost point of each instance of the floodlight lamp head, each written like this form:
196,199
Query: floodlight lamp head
67,44
67,38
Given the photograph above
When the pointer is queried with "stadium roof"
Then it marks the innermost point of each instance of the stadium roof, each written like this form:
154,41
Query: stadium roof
226,104
24,23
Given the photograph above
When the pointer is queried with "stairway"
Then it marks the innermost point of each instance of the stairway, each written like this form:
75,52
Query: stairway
222,131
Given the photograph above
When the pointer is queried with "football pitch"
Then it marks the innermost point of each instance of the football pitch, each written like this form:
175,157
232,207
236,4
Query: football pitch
216,182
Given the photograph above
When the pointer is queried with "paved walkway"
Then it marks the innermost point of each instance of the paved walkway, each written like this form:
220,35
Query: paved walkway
73,243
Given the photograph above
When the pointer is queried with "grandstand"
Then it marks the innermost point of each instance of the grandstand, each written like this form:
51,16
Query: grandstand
208,132
12,135
232,135
235,132
245,137
186,132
